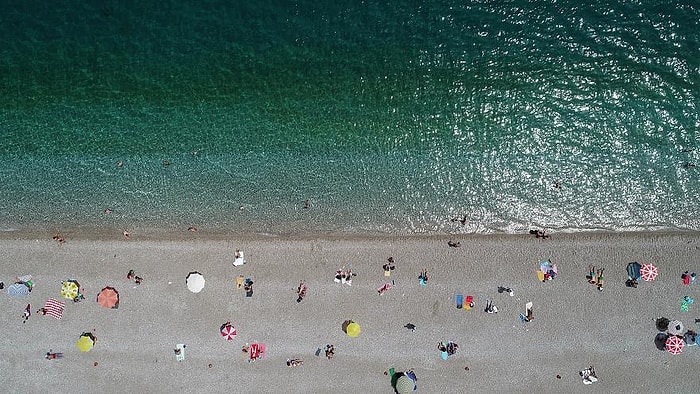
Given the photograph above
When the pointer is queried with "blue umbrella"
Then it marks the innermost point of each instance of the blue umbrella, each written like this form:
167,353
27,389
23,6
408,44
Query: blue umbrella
634,270
19,290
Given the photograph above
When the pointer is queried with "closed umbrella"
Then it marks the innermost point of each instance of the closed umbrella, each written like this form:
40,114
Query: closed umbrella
108,298
675,345
195,282
18,290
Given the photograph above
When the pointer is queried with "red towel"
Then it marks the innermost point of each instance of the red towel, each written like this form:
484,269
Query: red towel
54,308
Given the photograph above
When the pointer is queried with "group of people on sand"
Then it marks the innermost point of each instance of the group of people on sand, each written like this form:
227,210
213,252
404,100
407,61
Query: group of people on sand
344,276
132,275
595,277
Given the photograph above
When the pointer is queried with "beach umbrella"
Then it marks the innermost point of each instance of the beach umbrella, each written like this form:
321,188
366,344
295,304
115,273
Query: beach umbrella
404,385
675,328
662,324
86,342
353,330
649,272
108,298
660,340
228,331
195,282
675,344
634,270
70,289
18,290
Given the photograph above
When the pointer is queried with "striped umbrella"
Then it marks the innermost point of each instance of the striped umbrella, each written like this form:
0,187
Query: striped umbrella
18,290
228,331
675,344
649,272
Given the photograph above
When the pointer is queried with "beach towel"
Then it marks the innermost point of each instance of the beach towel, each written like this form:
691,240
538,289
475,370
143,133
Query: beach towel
180,351
423,281
460,301
54,308
540,275
239,261
387,272
239,281
685,304
384,288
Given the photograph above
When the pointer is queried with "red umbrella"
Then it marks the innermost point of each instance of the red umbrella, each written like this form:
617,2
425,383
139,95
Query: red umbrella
108,298
228,331
675,344
649,272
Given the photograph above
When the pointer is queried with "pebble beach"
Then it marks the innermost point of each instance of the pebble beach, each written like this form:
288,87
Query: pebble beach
574,324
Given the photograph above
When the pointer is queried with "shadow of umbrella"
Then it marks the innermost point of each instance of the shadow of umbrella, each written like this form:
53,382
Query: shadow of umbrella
660,340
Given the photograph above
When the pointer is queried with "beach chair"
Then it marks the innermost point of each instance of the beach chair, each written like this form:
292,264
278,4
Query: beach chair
460,301
180,351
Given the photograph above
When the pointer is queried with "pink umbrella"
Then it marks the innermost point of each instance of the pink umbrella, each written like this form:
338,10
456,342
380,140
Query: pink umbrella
675,344
649,272
228,331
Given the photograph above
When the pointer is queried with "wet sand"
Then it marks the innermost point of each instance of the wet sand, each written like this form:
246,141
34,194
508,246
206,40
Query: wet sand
575,325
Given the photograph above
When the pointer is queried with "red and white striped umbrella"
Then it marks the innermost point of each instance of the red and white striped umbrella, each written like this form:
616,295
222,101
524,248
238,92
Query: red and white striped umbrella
54,308
675,344
649,272
228,331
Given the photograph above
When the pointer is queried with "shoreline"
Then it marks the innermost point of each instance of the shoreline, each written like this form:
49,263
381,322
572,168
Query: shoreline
183,234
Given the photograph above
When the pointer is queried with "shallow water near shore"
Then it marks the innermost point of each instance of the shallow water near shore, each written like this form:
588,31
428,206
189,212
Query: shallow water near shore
388,120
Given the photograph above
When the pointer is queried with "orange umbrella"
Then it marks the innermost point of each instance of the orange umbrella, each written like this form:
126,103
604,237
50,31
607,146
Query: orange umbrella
108,298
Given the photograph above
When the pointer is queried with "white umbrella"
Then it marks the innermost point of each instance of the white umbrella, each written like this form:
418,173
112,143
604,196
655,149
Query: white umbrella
195,282
675,328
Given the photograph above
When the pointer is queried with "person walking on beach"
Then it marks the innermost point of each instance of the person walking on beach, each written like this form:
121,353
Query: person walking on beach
27,313
490,308
301,291
389,266
330,351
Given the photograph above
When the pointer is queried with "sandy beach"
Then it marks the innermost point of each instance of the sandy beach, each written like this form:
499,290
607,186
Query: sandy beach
575,325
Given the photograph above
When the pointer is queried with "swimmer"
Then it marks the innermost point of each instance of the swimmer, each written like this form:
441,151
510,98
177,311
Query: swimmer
126,234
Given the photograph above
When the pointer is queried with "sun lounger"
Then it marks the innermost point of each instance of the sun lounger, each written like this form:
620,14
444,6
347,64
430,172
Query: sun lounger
460,301
180,351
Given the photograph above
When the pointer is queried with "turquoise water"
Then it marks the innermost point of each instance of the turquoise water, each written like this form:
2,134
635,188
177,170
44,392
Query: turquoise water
387,118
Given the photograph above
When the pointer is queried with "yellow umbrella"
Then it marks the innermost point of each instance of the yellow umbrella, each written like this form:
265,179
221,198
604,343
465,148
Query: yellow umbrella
70,289
86,342
353,330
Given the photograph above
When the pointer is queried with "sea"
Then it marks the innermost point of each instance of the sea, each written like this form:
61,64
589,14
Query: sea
350,117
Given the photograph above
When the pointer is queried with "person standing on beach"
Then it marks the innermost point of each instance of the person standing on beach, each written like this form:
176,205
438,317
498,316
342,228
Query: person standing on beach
27,313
